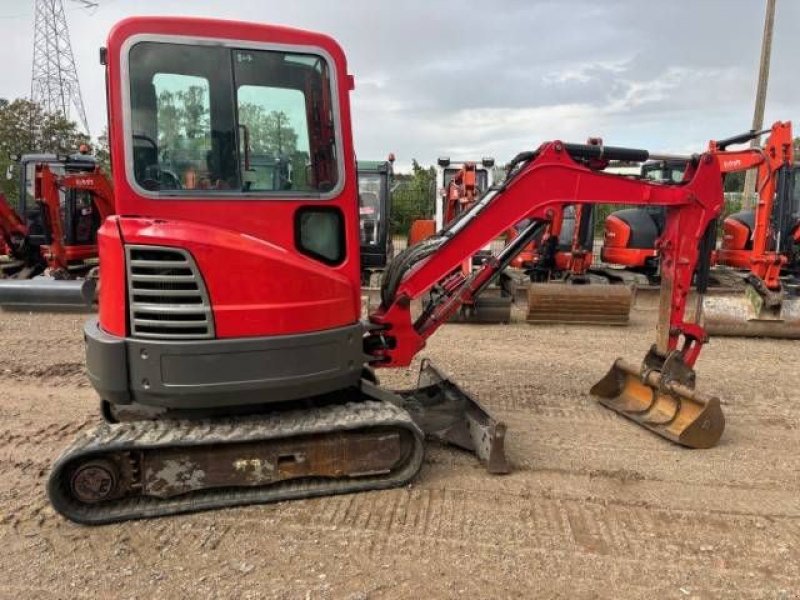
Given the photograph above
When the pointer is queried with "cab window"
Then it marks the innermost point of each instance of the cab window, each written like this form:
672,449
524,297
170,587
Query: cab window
209,119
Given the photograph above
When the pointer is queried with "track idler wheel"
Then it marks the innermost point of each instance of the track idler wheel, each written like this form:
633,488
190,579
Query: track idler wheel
95,481
671,409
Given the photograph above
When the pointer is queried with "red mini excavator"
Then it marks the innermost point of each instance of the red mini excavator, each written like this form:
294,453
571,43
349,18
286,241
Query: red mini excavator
229,354
51,245
763,242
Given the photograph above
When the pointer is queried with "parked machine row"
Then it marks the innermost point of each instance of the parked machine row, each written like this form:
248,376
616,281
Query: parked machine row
49,240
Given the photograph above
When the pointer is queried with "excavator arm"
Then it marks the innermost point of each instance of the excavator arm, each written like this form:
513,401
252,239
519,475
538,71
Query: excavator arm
538,188
541,186
12,229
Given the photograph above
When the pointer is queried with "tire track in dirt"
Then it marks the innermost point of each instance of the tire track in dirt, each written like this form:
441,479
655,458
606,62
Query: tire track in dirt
66,373
37,436
459,515
593,543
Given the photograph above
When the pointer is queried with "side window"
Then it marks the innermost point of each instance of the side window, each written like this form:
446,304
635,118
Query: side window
369,208
182,118
285,122
273,136
212,118
319,232
184,131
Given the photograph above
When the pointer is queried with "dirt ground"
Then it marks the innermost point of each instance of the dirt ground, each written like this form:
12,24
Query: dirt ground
595,507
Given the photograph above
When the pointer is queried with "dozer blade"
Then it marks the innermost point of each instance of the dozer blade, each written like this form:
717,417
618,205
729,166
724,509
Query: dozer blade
672,410
45,294
448,414
597,304
743,315
487,308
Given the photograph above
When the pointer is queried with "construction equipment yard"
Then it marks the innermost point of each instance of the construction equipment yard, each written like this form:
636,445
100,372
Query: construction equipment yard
594,506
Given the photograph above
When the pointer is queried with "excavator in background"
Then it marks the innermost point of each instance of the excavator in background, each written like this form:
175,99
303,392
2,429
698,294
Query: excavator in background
562,288
458,187
50,243
564,291
764,241
630,234
229,354
739,230
375,186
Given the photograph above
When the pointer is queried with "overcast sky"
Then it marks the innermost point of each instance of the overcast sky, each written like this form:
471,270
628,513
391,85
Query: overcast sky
469,79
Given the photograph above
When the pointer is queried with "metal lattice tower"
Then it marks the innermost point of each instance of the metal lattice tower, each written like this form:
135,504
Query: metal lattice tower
54,80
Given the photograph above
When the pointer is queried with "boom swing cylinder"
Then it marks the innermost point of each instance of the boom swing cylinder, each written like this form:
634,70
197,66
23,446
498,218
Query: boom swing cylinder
539,186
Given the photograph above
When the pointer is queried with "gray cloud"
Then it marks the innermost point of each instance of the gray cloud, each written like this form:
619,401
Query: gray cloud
470,78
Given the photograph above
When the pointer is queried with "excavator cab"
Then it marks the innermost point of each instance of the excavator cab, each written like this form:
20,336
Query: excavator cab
375,182
79,218
229,310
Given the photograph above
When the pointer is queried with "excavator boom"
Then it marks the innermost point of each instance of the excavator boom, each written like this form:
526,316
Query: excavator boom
539,187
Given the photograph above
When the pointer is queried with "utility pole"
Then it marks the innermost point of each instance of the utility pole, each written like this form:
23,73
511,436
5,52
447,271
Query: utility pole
761,98
54,78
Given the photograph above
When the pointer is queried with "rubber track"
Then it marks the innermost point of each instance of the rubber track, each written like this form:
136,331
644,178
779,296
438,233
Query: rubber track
152,435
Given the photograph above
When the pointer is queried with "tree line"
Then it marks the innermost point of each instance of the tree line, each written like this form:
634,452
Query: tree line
25,127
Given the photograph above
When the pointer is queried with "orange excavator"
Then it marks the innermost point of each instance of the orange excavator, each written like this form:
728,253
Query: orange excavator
763,241
630,234
459,186
563,290
50,245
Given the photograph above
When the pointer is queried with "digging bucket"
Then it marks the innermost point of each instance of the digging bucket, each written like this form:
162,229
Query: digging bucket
670,409
596,304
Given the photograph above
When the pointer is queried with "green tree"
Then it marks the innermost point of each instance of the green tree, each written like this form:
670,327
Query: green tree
25,127
270,132
102,152
184,129
414,197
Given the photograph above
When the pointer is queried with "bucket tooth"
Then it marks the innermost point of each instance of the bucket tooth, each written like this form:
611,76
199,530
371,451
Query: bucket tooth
599,304
743,315
672,410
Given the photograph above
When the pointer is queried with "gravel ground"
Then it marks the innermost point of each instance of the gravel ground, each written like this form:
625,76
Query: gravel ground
595,507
